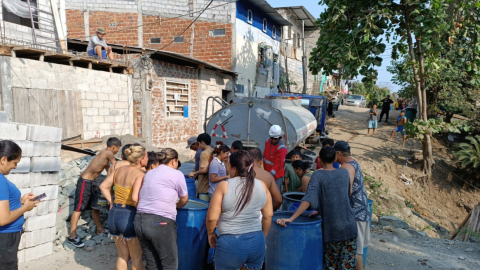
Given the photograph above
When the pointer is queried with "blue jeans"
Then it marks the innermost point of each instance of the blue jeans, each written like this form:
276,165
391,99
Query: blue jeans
236,250
120,221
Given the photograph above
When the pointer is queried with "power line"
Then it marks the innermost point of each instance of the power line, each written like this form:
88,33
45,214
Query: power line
160,21
198,16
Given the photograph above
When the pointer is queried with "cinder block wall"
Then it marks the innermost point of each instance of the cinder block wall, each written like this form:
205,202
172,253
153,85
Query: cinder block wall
37,172
106,99
16,33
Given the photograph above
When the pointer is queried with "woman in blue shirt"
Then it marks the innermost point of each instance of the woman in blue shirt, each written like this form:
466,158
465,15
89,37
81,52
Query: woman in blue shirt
12,206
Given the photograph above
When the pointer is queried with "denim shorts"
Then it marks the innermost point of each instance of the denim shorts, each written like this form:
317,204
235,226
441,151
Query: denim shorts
120,221
372,123
236,250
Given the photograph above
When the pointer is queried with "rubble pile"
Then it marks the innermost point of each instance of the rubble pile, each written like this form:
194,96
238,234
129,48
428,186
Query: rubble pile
86,229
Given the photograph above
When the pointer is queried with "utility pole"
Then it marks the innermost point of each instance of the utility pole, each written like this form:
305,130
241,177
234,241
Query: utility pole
304,60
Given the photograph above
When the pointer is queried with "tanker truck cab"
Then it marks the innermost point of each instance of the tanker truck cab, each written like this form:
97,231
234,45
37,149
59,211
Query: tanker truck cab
317,105
249,120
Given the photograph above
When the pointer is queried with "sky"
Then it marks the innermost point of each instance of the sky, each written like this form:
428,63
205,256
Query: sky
384,77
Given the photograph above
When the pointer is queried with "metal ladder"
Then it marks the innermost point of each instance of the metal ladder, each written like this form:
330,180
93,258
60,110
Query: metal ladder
45,23
223,103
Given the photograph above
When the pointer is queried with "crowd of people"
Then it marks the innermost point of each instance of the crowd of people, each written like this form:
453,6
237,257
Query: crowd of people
144,190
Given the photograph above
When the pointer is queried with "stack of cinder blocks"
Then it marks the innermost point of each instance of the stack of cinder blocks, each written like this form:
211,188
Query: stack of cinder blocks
37,173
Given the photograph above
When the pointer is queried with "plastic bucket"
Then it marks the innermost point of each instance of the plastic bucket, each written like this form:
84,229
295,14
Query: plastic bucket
299,246
365,249
291,197
192,190
294,207
192,235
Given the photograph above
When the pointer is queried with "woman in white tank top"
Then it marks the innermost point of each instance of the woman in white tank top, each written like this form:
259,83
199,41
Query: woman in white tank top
236,207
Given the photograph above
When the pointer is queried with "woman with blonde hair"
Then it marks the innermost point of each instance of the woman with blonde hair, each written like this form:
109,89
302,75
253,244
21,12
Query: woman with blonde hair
155,222
128,181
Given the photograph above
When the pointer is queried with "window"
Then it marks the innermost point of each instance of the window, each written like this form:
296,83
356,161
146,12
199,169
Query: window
250,16
177,99
217,32
178,39
264,25
274,32
13,18
155,40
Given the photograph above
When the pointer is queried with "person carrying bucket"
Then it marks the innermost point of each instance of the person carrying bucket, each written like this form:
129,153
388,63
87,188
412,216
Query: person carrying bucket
274,155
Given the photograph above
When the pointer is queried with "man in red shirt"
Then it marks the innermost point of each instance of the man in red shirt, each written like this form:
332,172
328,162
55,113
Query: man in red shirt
274,156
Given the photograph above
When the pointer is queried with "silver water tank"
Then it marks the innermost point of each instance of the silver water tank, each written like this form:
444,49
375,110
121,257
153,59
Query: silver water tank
249,120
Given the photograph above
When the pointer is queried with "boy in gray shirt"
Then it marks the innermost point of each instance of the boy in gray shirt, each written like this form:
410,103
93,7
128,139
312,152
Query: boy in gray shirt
329,192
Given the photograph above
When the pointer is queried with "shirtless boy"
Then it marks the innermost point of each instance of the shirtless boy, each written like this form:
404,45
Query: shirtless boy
266,177
86,192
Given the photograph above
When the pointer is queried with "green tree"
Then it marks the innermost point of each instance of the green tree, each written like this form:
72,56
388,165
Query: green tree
468,154
353,37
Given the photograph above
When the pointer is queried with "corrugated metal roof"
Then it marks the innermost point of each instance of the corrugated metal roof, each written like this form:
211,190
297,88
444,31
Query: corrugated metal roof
302,14
265,7
161,55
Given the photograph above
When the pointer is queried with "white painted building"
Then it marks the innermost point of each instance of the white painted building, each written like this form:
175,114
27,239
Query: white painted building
257,48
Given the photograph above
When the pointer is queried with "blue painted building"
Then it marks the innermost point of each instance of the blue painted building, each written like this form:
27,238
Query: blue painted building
257,47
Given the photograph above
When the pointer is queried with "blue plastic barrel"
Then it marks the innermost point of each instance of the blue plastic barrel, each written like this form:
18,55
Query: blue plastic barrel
299,246
192,235
365,249
289,198
192,190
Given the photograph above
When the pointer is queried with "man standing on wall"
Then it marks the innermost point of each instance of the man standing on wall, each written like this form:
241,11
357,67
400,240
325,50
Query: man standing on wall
274,155
96,44
204,140
87,193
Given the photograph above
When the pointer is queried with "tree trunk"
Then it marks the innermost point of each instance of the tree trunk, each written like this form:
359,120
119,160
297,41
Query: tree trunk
419,77
428,161
448,117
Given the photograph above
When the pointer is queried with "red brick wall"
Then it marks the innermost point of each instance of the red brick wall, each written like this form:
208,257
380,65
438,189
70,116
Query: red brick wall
215,50
166,130
75,24
137,118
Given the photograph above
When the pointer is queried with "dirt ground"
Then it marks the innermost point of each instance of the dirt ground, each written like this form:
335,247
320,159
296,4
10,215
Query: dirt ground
436,207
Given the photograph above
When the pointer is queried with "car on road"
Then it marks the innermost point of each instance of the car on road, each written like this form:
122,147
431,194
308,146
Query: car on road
355,100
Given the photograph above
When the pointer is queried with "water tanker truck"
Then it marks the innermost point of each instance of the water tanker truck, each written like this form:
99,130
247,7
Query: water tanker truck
249,119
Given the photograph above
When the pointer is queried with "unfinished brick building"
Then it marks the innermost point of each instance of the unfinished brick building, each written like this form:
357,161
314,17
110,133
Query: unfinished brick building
242,36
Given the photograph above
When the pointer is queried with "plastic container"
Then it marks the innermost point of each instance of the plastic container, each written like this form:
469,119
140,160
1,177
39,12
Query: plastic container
192,235
291,197
294,207
365,249
192,189
299,246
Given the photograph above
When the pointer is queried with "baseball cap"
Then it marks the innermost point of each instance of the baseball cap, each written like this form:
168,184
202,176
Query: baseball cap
342,146
190,141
